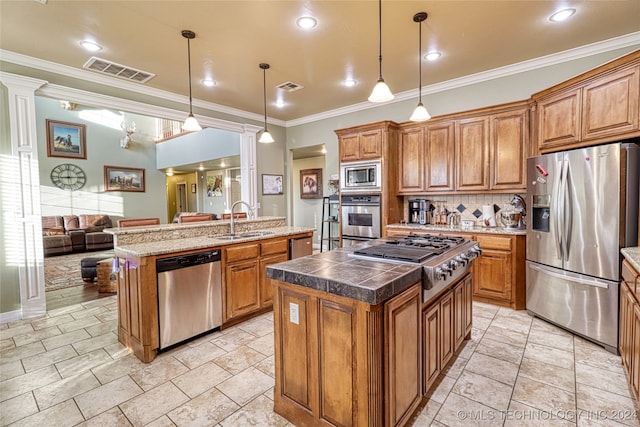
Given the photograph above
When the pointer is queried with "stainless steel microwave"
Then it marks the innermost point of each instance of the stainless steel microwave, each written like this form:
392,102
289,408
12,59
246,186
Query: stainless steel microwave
360,176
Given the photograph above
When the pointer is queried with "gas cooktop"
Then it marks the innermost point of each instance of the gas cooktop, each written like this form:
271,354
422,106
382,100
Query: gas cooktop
411,248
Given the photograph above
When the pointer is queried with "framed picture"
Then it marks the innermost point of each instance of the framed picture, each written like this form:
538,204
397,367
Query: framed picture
214,185
193,188
117,178
311,184
66,140
271,184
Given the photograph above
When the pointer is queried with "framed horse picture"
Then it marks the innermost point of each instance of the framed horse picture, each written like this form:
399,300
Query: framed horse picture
66,140
117,178
311,184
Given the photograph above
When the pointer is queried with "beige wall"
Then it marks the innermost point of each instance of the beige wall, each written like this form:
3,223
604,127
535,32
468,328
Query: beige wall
308,212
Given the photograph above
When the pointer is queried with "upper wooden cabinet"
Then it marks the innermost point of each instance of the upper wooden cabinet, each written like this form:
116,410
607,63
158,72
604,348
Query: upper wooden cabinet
598,106
475,152
360,145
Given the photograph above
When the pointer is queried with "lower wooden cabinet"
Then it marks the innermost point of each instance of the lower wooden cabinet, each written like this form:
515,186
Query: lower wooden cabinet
629,338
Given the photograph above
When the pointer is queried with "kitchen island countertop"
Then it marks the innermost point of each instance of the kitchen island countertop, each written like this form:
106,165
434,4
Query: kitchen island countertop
632,255
163,247
338,272
457,229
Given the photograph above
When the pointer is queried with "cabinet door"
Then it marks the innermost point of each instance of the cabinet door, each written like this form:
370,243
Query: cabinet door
241,289
446,329
492,274
411,160
403,351
626,325
458,315
472,154
431,346
468,304
635,352
610,105
350,147
559,120
508,150
439,150
266,291
371,144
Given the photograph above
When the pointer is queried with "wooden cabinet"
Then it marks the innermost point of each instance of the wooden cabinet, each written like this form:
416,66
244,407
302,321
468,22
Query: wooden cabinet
411,160
246,287
431,341
472,154
500,271
601,105
629,338
403,355
439,157
361,145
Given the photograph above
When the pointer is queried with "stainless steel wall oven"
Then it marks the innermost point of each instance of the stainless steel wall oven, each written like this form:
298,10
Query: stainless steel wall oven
361,218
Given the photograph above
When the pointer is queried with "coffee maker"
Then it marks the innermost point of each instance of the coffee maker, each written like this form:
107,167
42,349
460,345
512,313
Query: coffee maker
419,211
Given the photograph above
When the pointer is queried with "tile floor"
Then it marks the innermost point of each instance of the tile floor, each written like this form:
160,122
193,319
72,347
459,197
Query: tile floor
67,368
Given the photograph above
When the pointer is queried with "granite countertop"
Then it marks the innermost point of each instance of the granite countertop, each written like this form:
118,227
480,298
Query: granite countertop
338,273
204,241
633,256
458,229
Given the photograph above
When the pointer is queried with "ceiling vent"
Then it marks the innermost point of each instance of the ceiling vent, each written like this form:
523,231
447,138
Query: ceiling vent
289,86
117,70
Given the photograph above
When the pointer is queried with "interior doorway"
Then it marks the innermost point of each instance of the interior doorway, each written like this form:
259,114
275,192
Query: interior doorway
182,202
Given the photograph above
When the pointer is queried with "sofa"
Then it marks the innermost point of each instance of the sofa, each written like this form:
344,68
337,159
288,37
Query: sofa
63,234
176,217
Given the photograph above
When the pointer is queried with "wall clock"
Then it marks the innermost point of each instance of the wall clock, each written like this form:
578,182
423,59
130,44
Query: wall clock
68,176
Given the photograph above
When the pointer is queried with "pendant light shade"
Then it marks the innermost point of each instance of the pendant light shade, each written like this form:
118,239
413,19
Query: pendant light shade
190,124
420,114
381,92
266,137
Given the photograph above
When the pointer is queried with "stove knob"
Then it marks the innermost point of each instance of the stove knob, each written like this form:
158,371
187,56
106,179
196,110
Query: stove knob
453,264
446,269
440,274
462,259
476,251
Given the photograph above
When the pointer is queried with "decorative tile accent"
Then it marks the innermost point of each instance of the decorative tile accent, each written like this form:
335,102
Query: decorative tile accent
461,208
477,213
496,208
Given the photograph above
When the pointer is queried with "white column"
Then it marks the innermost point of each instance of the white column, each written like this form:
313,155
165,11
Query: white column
248,167
20,182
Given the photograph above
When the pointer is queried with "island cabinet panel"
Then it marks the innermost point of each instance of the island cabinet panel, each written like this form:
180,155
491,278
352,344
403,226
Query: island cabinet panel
472,154
610,105
411,160
242,292
431,341
138,307
447,323
509,145
439,157
403,355
629,338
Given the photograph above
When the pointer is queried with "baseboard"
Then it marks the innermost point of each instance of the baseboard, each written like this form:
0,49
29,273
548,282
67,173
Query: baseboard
10,316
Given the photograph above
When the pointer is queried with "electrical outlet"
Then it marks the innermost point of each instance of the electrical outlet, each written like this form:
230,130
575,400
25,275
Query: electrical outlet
294,314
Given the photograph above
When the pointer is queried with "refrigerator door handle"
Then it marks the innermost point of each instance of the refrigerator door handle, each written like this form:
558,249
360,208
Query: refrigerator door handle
568,205
558,214
587,282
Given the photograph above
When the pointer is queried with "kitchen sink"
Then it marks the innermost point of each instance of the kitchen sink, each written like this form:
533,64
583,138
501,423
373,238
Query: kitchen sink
227,237
243,235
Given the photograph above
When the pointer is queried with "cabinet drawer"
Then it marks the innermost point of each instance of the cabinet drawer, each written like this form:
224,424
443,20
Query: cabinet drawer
275,247
238,253
494,242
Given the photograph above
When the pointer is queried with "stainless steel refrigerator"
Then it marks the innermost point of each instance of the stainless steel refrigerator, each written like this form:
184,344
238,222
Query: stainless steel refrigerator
582,207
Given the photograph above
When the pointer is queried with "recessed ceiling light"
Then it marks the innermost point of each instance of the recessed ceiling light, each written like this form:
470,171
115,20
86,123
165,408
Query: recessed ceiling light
432,56
562,15
208,82
280,103
306,22
90,46
349,82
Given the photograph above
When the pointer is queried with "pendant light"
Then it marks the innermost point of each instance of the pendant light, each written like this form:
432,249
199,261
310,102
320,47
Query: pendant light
191,124
381,92
420,114
266,137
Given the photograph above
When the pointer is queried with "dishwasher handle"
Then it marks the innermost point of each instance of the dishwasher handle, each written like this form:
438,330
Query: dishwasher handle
189,260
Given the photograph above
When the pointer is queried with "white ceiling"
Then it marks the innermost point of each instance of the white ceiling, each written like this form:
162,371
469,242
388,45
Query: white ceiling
233,37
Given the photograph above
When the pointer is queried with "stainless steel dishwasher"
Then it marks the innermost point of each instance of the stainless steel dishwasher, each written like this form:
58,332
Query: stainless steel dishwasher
189,296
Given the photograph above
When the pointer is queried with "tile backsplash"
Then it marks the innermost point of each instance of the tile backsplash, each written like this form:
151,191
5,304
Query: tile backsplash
468,205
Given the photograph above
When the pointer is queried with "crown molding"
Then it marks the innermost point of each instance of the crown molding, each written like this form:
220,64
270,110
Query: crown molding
508,70
520,67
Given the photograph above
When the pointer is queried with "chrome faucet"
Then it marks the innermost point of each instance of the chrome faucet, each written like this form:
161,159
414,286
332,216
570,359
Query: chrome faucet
232,223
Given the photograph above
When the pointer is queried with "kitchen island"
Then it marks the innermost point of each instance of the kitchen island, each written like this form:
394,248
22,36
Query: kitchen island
355,343
243,289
